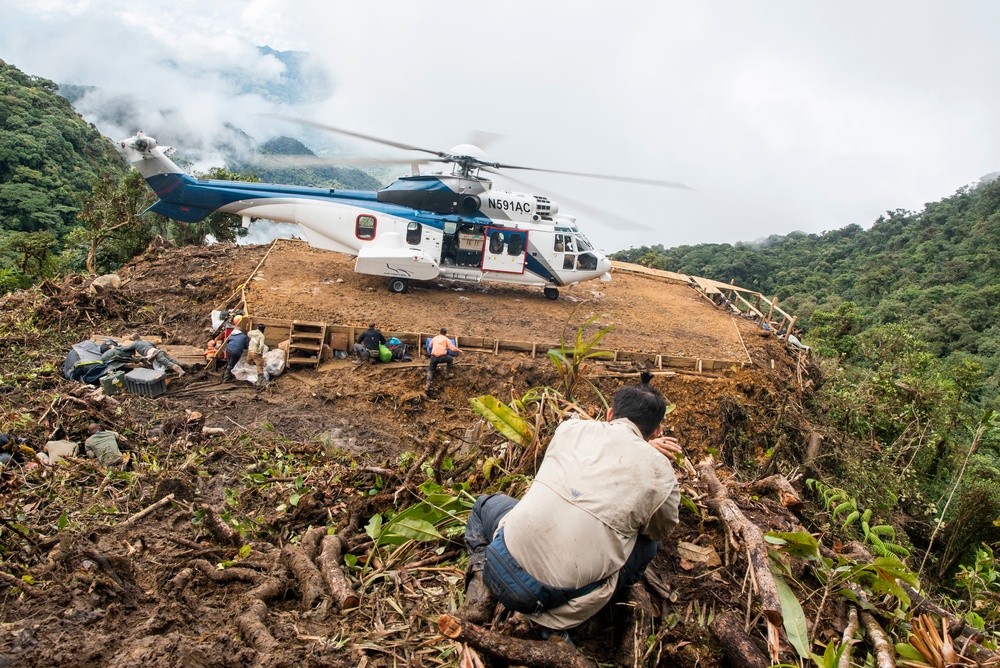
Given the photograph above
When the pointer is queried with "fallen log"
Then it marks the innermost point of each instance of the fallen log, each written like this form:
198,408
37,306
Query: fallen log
885,656
221,531
751,535
329,564
148,510
737,645
848,637
777,484
311,540
251,625
306,574
532,653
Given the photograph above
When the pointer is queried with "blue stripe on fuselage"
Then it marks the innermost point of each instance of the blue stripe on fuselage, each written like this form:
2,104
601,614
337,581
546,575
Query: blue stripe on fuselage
181,190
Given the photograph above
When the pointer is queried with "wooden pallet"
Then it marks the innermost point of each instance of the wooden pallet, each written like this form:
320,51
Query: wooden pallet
305,342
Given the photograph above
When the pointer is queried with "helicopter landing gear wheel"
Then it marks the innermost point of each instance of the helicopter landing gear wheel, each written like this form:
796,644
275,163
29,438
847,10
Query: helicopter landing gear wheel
551,293
398,285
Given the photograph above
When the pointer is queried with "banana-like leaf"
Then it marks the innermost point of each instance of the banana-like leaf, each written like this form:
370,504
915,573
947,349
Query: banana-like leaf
794,617
408,528
503,418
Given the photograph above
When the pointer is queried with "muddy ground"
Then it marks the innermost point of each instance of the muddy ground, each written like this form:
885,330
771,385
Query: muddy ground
346,444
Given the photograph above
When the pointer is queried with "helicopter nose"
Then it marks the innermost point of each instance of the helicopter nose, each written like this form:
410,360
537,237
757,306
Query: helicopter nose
603,265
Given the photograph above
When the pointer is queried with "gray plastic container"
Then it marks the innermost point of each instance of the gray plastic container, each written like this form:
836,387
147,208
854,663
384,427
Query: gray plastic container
146,382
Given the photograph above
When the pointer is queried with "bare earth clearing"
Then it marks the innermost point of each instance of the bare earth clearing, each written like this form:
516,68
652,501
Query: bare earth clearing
94,593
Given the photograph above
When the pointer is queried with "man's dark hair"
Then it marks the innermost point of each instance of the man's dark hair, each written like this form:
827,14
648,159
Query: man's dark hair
59,434
371,325
642,404
444,331
260,327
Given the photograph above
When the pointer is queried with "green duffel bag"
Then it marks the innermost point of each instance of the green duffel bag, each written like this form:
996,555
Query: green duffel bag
384,354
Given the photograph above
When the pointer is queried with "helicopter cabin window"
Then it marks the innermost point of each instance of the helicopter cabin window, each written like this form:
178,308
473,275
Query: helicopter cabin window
496,243
569,261
569,244
586,262
414,233
516,244
365,227
559,245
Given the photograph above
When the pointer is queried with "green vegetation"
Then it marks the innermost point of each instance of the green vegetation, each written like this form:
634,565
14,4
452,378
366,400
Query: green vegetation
936,271
903,318
68,201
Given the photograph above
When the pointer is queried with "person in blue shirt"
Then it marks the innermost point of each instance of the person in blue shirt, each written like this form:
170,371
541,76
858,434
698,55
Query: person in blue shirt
236,345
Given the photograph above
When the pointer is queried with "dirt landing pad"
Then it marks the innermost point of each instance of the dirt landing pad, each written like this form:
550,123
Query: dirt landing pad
650,315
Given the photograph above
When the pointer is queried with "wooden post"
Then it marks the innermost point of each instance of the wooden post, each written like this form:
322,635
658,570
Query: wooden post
790,326
770,312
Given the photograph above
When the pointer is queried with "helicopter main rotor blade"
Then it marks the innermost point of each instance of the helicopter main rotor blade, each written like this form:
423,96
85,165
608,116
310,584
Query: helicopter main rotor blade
606,177
357,135
599,215
318,161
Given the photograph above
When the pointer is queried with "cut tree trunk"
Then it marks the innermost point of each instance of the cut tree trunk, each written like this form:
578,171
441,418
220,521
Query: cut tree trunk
737,645
532,653
885,656
329,564
751,535
777,484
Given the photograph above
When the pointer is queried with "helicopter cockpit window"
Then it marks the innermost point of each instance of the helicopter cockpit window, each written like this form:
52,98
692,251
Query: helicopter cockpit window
559,245
569,244
516,244
496,243
414,232
586,262
569,261
365,227
582,244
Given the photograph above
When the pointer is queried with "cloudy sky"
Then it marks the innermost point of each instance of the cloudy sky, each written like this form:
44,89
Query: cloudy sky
782,115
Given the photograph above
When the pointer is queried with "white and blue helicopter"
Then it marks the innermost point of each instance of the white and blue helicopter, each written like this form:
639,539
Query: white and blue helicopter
426,226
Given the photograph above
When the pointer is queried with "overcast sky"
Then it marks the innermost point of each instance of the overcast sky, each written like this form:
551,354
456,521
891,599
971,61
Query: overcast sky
782,116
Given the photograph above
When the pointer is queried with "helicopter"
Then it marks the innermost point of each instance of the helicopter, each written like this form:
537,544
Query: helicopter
452,224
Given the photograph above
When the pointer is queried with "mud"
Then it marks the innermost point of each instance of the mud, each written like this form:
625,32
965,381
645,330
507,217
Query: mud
340,441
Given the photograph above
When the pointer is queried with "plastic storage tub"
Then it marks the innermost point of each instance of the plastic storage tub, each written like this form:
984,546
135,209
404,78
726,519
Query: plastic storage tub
146,382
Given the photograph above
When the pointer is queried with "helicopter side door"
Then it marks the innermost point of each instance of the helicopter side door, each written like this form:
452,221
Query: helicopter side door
506,250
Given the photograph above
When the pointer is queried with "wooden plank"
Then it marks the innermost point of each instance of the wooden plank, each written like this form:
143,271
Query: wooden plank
338,341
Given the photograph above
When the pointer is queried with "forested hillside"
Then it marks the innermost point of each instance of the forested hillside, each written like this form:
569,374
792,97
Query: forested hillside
69,202
937,270
49,159
903,317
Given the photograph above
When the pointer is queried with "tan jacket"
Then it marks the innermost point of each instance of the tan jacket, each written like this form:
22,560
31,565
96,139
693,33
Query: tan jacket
599,486
256,342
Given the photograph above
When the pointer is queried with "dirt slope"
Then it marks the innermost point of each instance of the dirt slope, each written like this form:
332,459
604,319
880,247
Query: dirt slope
337,442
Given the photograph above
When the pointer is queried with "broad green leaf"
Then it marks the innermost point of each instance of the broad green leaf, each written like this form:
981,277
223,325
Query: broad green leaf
794,617
245,551
503,418
374,526
63,521
909,652
400,531
797,543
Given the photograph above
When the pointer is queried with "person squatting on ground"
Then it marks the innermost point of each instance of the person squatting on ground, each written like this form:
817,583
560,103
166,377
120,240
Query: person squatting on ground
236,344
57,448
588,526
255,352
103,446
441,345
368,344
